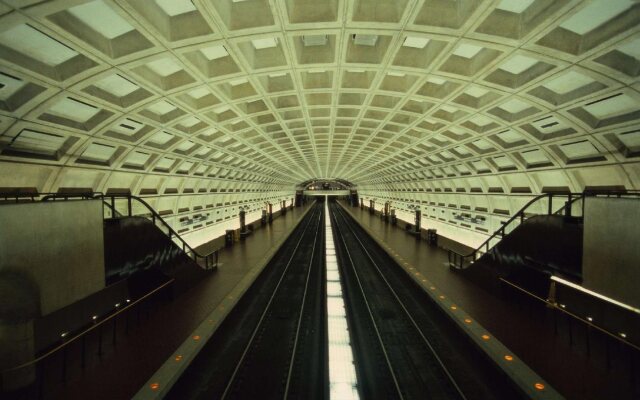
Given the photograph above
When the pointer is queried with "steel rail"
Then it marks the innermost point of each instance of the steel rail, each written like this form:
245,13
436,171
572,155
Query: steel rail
304,298
267,309
404,308
370,312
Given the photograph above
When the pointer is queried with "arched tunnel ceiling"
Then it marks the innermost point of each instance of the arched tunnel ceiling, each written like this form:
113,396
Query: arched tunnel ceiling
283,91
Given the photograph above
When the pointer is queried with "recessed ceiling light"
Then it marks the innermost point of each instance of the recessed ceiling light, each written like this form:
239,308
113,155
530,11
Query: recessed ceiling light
415,42
467,50
475,91
365,40
514,6
315,40
199,93
221,109
266,43
164,67
102,18
595,14
436,80
161,107
514,106
518,64
35,44
214,52
176,7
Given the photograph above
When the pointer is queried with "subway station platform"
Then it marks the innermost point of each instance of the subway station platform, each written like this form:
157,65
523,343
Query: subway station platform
531,336
125,368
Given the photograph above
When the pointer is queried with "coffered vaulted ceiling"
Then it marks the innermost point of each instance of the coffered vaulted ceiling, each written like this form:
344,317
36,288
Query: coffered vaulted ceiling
282,91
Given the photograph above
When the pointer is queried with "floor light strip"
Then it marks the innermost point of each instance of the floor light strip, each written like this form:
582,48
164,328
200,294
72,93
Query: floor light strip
343,383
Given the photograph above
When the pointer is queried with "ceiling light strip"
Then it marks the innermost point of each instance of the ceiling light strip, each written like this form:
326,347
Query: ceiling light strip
343,383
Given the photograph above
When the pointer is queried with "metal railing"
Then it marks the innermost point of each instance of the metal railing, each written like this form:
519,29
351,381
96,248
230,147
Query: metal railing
112,203
103,330
112,208
561,308
460,261
572,205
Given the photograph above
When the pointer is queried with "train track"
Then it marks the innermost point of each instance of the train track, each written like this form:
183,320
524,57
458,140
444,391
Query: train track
272,344
405,347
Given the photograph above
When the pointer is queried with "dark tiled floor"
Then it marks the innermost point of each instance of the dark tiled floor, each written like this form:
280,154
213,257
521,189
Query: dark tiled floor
528,332
124,368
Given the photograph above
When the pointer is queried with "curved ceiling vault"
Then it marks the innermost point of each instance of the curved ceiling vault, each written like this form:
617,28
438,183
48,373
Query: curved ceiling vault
526,93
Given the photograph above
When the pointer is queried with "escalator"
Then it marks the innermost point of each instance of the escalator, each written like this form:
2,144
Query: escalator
141,247
137,250
541,246
538,241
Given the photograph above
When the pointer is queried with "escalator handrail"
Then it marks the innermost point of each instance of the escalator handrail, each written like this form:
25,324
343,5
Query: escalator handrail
112,208
500,231
210,259
157,217
455,256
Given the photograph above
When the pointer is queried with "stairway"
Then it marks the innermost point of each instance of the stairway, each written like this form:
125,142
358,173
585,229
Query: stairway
543,238
135,248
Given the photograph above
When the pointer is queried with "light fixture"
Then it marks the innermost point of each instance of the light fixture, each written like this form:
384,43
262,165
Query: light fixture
315,40
415,42
365,40
266,43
